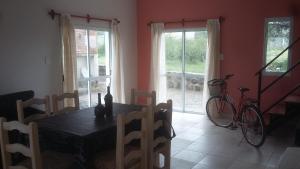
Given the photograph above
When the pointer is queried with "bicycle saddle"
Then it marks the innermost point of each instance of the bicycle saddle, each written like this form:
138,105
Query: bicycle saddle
243,89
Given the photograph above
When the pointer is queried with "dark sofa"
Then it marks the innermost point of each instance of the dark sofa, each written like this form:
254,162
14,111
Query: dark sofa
8,108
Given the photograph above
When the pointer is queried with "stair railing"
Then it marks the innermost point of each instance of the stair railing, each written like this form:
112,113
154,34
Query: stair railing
259,73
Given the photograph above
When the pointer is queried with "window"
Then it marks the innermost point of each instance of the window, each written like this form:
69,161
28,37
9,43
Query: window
93,63
277,38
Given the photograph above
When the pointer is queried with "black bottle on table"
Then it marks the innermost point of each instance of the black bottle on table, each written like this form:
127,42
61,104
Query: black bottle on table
99,109
108,103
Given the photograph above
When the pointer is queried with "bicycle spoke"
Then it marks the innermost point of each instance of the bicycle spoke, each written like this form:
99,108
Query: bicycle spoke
252,127
217,106
220,111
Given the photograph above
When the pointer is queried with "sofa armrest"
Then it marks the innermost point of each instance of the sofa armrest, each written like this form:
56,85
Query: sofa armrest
8,107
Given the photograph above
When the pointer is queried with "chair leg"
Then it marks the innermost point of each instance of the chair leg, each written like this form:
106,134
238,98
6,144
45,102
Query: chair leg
167,163
156,160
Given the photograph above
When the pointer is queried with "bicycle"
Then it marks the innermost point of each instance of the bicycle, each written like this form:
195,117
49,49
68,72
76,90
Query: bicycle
222,112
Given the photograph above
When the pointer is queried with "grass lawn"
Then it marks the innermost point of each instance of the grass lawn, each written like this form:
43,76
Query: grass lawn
175,65
280,64
101,60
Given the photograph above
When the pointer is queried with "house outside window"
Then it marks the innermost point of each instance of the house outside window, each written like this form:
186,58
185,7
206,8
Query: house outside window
278,36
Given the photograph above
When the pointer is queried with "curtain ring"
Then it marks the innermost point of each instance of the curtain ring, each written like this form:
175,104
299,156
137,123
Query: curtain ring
88,18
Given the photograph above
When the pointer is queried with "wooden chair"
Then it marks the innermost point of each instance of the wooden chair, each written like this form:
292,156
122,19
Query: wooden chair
125,155
21,105
160,145
67,106
32,152
151,97
53,160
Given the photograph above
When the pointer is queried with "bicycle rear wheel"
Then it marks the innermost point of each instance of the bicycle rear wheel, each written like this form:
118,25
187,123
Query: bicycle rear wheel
220,111
253,126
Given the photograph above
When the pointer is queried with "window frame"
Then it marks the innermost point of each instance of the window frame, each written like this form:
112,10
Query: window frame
90,78
267,20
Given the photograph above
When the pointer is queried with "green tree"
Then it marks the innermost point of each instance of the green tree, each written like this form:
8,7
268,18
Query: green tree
195,51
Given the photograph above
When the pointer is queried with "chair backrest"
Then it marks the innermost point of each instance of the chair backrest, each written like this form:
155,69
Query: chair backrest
67,106
156,122
21,105
125,158
150,96
33,151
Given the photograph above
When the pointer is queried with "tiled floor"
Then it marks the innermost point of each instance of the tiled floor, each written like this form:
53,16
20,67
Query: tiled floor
201,145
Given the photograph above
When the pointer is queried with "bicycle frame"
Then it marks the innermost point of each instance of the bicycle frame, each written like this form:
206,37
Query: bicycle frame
243,100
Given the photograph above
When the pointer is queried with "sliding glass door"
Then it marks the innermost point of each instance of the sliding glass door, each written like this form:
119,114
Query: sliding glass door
93,64
185,52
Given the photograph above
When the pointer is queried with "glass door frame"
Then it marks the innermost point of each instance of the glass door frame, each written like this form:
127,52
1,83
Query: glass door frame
183,72
90,78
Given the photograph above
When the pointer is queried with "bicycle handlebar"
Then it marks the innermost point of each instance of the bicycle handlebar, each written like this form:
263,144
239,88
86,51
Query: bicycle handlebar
215,81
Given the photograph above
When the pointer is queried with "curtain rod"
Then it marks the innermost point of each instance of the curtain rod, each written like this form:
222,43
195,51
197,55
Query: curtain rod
183,21
88,18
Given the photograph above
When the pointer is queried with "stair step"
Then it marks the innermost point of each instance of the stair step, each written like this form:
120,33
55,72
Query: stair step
292,99
278,109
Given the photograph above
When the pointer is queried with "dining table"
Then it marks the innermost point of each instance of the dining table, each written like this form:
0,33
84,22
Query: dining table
81,133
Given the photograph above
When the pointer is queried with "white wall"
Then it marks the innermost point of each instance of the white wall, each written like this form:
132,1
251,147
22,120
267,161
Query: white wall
29,41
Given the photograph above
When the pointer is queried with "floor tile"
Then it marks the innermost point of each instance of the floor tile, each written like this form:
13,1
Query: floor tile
179,142
191,156
189,136
245,165
216,161
253,155
181,164
274,160
201,145
175,150
203,166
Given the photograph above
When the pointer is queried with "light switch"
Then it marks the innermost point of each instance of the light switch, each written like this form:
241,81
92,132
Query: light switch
46,60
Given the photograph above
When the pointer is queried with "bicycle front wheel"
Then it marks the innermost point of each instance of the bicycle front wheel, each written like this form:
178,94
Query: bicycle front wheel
253,126
220,111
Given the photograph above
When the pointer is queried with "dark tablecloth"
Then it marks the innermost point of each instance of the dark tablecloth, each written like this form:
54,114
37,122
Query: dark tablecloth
81,133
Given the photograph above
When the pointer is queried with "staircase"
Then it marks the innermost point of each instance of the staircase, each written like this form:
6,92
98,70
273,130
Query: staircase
278,110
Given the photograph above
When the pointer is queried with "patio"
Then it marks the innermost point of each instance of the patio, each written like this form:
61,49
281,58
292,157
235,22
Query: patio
193,92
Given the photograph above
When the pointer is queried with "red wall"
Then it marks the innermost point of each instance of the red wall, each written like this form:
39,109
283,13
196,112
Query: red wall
241,39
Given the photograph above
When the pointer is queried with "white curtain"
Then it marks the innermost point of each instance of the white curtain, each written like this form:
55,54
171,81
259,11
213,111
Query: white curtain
158,71
69,56
212,69
117,84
